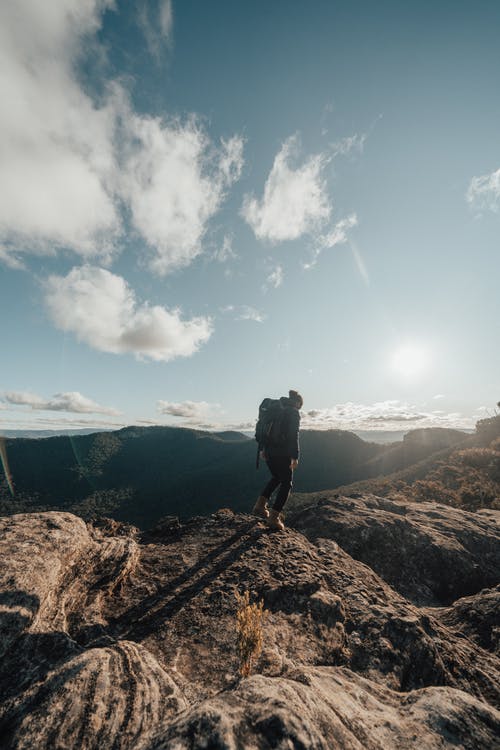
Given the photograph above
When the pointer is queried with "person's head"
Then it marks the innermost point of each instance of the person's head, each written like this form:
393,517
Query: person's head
295,399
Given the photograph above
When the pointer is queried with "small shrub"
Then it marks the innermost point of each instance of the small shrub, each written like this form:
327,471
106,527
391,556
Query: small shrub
495,445
434,491
488,429
249,620
475,495
479,458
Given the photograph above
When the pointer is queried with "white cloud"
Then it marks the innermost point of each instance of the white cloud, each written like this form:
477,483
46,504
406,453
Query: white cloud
336,235
174,181
275,278
352,143
11,260
192,410
166,17
383,415
156,20
198,414
484,191
245,312
295,201
72,170
55,143
101,309
226,252
250,313
73,401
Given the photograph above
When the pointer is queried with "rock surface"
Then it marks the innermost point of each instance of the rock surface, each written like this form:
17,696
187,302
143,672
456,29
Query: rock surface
477,617
113,639
329,707
430,553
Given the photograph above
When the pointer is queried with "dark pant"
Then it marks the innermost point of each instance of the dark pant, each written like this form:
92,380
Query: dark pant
282,475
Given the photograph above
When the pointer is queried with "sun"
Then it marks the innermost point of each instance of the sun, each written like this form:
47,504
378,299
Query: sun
410,361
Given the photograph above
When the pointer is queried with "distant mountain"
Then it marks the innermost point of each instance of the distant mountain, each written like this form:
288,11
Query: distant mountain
465,474
381,436
139,474
46,433
416,445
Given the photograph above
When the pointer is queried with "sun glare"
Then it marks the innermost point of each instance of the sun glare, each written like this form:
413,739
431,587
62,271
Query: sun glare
410,361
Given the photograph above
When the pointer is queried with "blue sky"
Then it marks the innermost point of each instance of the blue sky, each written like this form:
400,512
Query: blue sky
204,204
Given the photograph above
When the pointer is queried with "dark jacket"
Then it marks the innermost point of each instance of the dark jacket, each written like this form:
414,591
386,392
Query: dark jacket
291,424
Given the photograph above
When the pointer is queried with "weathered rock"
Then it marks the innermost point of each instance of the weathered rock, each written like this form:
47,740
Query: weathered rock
41,550
59,571
326,707
430,553
477,617
67,697
113,640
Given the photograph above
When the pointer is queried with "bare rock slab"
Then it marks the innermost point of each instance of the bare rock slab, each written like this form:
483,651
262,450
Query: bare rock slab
431,553
113,639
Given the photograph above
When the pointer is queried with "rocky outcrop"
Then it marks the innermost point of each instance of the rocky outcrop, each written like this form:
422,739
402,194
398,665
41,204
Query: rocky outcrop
430,553
477,617
55,691
113,639
326,707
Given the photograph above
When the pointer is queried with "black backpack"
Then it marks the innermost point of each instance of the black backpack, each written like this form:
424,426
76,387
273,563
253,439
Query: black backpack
270,427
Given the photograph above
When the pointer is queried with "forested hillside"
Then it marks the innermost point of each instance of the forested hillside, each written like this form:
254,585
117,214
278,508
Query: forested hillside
139,474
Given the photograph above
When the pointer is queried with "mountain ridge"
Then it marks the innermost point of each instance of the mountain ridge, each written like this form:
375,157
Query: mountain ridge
139,474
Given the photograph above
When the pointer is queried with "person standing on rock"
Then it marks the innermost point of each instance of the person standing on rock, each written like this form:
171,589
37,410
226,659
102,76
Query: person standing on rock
280,449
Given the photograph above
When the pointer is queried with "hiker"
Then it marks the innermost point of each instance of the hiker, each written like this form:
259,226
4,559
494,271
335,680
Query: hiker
280,450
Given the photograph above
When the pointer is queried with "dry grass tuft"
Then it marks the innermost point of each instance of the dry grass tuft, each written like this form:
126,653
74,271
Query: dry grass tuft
249,622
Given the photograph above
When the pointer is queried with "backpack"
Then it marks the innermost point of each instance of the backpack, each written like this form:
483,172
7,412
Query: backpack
269,430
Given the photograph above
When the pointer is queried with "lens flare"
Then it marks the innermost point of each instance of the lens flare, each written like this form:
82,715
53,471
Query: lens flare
5,465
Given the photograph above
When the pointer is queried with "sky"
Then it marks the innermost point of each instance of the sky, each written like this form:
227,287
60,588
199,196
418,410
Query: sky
208,203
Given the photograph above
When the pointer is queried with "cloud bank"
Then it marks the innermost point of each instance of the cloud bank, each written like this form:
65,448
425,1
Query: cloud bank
382,415
101,309
72,401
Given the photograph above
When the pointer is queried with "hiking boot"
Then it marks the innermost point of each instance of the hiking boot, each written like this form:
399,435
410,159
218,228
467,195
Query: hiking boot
260,507
274,521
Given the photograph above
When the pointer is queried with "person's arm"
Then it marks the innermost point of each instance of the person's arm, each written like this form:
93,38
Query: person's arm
294,426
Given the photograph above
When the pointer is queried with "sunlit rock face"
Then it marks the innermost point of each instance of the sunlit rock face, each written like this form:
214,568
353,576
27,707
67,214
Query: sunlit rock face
115,639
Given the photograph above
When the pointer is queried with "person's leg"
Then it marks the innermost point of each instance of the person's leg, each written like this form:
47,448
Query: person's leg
284,473
270,487
260,508
285,476
274,467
